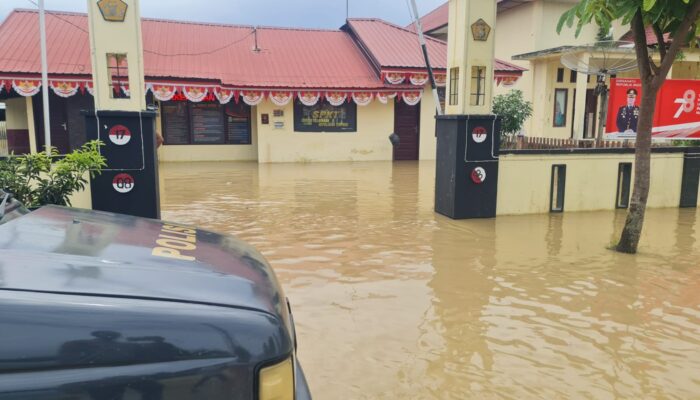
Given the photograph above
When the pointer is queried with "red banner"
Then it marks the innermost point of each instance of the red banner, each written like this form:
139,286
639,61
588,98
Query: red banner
677,114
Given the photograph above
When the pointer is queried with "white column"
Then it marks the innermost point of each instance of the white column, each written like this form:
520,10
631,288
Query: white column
465,52
31,128
44,78
117,37
580,100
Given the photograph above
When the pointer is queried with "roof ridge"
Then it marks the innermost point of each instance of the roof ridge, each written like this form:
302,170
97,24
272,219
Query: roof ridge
174,21
393,25
31,10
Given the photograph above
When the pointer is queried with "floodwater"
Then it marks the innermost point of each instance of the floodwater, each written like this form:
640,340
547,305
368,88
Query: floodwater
392,301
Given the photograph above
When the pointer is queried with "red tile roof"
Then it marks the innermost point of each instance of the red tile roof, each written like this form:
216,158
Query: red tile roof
293,58
438,17
393,46
503,66
287,57
432,20
651,36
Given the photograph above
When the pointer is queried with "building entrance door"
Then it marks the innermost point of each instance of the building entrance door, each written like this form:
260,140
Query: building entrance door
58,119
589,122
407,127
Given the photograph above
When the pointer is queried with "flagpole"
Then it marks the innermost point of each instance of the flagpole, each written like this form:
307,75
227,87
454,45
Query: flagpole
421,39
44,78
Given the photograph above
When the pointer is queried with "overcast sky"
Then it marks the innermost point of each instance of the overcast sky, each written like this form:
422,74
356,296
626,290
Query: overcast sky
291,13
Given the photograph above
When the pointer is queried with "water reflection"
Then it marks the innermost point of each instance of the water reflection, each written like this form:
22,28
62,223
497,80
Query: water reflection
394,301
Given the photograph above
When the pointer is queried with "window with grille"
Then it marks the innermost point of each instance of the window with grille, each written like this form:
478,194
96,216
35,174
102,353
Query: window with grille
454,86
118,72
478,94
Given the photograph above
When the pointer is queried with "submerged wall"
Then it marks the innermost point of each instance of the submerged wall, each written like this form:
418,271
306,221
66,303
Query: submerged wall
591,183
277,141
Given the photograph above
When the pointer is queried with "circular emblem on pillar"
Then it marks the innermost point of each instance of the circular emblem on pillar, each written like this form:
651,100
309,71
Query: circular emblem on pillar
479,134
478,175
123,183
119,135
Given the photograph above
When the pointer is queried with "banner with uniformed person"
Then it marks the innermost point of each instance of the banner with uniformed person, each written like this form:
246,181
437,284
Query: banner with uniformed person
677,114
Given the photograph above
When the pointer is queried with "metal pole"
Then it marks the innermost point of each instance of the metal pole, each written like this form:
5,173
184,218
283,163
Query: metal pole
421,39
44,78
602,114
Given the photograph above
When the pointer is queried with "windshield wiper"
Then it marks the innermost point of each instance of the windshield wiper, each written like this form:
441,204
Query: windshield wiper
2,204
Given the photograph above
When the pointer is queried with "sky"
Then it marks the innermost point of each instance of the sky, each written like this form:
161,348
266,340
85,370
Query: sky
289,13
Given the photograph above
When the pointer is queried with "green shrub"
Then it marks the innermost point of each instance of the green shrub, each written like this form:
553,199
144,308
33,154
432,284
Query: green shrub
685,143
35,180
513,110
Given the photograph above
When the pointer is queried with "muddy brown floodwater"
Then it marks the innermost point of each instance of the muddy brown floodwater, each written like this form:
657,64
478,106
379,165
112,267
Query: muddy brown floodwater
392,301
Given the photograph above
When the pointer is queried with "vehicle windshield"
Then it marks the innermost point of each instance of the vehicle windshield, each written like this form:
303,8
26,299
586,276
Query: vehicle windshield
10,208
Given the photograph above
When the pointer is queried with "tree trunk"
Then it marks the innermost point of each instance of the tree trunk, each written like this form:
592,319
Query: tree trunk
642,160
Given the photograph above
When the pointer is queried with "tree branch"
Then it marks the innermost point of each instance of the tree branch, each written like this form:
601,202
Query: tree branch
679,39
640,46
655,68
660,40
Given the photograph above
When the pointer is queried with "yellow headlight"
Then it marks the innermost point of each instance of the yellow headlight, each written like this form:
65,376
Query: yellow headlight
277,381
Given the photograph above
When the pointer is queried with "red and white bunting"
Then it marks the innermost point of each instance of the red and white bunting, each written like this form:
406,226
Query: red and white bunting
362,98
309,98
252,97
418,79
395,78
162,92
26,88
336,98
2,85
281,99
384,97
440,80
506,80
411,98
90,88
225,95
64,89
195,94
125,89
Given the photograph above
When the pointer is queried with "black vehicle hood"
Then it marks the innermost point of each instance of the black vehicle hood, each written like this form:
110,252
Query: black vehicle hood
73,251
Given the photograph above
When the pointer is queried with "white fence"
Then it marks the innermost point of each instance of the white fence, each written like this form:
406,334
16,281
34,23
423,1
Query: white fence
3,139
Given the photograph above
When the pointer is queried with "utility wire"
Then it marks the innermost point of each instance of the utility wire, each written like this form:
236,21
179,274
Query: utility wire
156,52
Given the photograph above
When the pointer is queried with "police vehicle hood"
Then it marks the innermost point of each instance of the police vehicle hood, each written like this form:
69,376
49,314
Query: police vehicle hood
72,251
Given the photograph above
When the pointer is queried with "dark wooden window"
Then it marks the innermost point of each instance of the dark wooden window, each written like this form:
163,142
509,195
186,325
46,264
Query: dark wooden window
454,86
557,188
560,74
205,123
572,77
624,179
238,123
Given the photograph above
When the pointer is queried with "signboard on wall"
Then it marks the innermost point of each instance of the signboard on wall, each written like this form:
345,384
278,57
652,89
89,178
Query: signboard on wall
677,114
324,117
207,123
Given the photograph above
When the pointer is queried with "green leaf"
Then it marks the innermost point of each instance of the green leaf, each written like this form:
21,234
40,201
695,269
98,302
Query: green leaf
648,5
